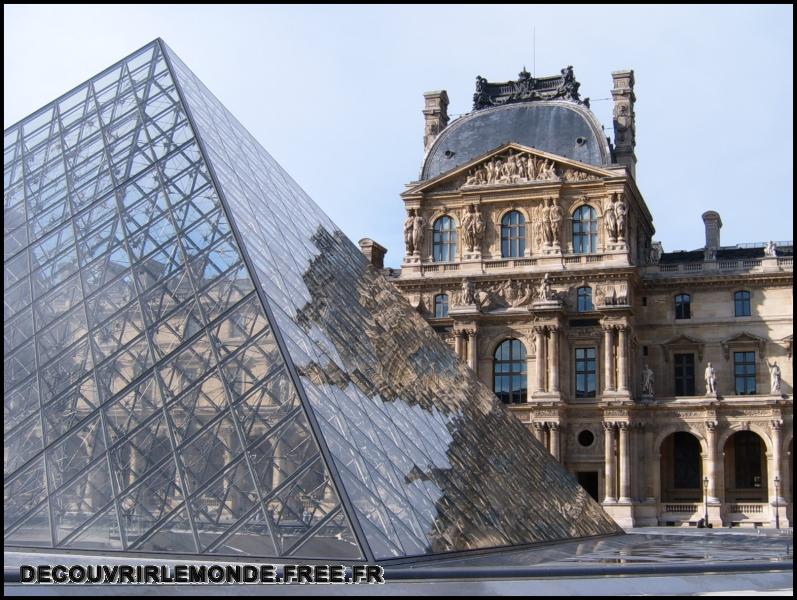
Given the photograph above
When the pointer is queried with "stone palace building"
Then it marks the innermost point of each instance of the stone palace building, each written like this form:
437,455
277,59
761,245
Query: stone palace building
661,380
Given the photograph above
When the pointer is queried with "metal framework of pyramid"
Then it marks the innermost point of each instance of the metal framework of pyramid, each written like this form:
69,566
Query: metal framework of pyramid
198,361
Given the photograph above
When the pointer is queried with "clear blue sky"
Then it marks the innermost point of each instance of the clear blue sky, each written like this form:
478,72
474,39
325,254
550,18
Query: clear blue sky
335,93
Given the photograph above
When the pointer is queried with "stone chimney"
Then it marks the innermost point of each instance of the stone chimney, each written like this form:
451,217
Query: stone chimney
435,114
375,253
713,223
624,119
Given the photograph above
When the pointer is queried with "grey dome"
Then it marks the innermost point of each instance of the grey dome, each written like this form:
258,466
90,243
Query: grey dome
558,127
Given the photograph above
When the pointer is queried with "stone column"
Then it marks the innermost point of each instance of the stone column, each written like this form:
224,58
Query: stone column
608,346
711,442
554,429
650,481
472,358
776,459
554,358
459,342
608,450
622,342
625,464
539,432
539,333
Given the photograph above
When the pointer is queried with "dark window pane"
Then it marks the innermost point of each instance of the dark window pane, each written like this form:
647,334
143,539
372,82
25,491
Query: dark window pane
509,369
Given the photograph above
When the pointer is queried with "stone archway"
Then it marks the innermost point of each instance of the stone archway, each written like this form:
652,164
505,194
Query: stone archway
745,467
681,468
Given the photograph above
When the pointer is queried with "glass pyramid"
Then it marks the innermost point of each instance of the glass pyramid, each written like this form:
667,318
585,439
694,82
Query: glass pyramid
198,361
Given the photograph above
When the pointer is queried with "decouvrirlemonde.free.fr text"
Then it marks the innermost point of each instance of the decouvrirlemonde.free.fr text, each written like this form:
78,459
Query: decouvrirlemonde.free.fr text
200,573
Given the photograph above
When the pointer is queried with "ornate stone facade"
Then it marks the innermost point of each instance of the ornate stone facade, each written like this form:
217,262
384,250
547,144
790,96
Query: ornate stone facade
662,381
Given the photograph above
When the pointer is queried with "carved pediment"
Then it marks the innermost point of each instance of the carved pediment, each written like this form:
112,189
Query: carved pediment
788,341
685,343
513,164
743,339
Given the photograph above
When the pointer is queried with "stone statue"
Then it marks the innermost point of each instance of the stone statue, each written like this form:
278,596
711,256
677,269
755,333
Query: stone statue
610,220
418,223
515,293
409,223
472,228
545,218
620,211
656,250
556,217
774,378
467,292
545,292
711,380
770,249
481,98
647,381
547,170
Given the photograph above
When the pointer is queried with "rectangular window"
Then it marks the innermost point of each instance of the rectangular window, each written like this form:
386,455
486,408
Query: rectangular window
744,372
684,374
741,301
586,372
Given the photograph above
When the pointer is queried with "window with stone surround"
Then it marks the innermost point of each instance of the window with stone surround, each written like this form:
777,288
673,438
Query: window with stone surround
744,372
586,372
585,230
441,306
683,306
509,372
684,374
741,302
444,240
513,235
584,299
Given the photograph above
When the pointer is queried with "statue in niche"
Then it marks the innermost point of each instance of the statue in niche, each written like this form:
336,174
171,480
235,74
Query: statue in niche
770,249
710,376
472,228
409,224
418,223
647,381
545,221
610,220
620,211
556,218
774,378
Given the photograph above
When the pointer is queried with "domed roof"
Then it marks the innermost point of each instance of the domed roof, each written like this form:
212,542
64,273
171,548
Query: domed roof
556,126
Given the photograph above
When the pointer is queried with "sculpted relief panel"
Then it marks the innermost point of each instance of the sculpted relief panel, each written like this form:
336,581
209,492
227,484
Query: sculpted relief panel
522,167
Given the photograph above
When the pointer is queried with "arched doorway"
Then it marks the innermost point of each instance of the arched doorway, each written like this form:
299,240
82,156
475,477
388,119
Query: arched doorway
681,469
745,468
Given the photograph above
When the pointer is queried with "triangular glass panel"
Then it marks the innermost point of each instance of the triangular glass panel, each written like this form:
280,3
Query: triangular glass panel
103,533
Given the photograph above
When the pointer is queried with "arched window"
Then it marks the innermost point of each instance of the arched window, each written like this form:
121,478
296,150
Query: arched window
585,230
441,306
513,234
683,306
444,240
741,301
509,372
584,296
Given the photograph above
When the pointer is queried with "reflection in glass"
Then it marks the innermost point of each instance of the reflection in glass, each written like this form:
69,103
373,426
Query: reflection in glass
145,371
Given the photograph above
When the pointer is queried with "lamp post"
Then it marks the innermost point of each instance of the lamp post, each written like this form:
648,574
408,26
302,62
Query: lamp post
705,501
777,494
